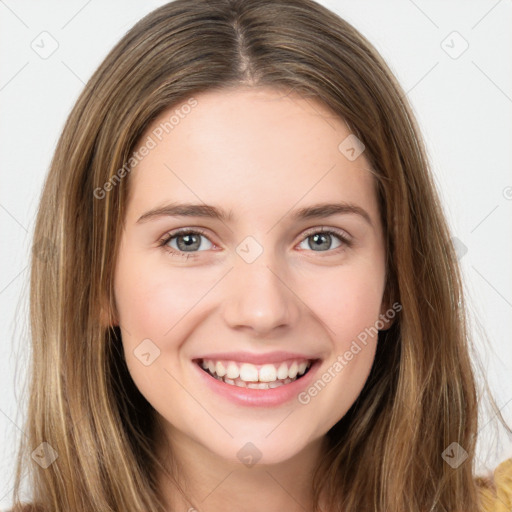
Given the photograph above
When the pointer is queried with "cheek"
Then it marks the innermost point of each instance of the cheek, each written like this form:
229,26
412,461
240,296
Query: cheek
152,299
150,302
348,303
347,300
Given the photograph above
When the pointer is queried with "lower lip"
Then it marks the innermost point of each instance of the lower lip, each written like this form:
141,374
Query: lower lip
259,397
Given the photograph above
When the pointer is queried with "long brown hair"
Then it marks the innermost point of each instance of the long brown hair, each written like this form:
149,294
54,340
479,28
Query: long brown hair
386,453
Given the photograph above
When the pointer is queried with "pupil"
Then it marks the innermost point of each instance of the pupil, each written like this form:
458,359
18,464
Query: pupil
316,238
189,240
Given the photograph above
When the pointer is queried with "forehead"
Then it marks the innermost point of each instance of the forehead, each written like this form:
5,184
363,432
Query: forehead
249,148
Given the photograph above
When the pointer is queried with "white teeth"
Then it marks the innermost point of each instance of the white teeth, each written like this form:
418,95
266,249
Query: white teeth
232,371
249,373
261,385
282,372
220,369
254,385
268,373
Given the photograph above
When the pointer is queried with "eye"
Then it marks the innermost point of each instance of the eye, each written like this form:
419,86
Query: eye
184,241
322,239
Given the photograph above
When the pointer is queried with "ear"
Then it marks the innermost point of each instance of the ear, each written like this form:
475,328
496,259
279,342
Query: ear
107,317
385,317
388,312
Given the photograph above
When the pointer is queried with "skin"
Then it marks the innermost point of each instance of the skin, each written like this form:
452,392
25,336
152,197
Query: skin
261,154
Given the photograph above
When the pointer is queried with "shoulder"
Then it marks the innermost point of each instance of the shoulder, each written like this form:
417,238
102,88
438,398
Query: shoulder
496,491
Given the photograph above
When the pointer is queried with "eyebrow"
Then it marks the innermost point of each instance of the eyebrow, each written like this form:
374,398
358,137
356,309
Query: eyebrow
316,211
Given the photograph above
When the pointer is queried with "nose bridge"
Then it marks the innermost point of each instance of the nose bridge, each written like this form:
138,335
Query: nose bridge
258,296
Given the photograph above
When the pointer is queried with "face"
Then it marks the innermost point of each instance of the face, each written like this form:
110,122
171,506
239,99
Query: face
260,285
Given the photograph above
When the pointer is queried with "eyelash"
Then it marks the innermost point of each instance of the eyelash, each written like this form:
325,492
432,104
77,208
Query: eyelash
346,242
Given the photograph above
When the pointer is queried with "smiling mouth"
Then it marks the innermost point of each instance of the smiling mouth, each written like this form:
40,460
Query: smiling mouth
248,376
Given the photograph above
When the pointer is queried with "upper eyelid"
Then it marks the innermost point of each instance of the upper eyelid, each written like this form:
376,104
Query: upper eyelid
336,231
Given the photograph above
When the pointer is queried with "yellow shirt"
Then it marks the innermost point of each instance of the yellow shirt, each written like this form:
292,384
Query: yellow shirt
496,492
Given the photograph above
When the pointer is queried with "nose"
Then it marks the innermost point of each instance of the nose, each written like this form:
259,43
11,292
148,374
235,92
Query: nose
260,298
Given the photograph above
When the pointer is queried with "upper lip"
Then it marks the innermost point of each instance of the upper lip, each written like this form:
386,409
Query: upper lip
249,357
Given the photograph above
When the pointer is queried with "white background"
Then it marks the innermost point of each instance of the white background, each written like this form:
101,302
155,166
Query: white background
463,104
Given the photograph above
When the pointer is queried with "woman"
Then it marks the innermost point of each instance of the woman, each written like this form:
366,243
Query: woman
253,133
